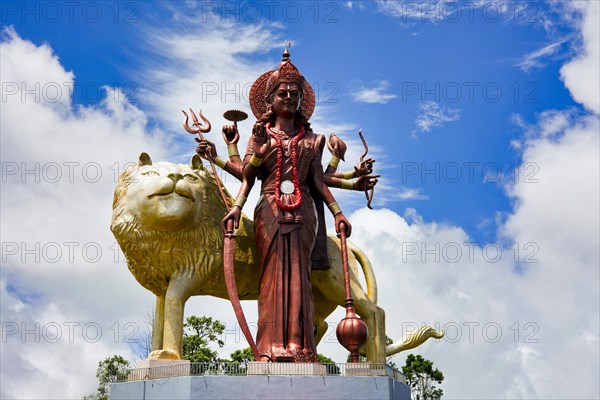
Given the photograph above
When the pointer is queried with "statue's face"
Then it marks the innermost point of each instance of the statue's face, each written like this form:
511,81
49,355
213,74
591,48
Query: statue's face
287,98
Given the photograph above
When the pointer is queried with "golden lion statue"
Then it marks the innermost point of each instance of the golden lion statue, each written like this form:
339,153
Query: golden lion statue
167,221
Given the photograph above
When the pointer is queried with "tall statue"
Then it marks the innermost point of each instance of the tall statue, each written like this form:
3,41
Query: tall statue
166,220
285,154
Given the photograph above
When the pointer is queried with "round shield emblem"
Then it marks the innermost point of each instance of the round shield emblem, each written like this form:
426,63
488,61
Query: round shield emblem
287,187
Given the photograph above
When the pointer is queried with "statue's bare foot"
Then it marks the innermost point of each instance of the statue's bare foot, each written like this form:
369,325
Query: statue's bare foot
164,355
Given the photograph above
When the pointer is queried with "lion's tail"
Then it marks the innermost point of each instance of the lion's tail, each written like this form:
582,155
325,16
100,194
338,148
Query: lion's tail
413,339
367,269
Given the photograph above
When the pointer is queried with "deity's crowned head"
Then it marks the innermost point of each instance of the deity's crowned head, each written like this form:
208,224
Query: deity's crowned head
286,73
265,87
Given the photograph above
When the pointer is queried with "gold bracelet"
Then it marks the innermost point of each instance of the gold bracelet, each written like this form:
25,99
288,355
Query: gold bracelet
335,161
255,161
347,185
232,150
348,175
334,208
240,201
220,162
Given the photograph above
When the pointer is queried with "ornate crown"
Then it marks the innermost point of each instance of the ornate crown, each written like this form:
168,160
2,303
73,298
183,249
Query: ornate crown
269,81
287,73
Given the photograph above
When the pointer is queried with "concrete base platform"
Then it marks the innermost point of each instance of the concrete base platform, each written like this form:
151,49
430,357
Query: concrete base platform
154,369
363,369
262,387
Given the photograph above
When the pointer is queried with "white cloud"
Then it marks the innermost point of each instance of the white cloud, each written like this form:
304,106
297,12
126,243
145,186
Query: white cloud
377,92
410,194
423,10
355,5
582,74
55,346
436,11
559,214
433,115
63,205
534,59
426,274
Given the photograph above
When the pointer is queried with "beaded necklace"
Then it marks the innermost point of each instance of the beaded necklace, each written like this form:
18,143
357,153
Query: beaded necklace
296,181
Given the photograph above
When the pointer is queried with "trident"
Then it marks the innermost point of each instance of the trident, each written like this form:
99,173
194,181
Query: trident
199,129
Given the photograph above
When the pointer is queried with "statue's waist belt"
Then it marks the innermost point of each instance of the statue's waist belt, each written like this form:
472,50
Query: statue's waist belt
270,189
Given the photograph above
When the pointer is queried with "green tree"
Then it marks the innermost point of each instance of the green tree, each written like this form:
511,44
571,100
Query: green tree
421,376
109,370
198,333
242,356
332,368
238,364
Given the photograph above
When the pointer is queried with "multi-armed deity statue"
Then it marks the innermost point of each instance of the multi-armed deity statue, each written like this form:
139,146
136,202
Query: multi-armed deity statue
284,259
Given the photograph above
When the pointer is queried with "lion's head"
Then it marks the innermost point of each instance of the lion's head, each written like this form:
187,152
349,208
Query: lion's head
164,218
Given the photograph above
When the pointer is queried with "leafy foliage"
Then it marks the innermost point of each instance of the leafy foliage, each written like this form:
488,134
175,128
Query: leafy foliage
421,376
198,333
109,370
331,369
242,356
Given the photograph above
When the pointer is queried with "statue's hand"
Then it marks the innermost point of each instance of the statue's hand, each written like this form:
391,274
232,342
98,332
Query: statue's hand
366,182
338,219
335,150
364,167
230,134
206,149
336,146
234,216
261,141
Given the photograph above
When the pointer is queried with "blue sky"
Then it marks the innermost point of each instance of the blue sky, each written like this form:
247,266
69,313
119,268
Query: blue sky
504,94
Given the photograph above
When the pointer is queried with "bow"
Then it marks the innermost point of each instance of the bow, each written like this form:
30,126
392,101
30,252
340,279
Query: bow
368,195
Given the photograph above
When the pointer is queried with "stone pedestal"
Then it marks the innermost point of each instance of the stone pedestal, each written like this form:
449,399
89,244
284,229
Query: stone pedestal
154,369
363,369
262,387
